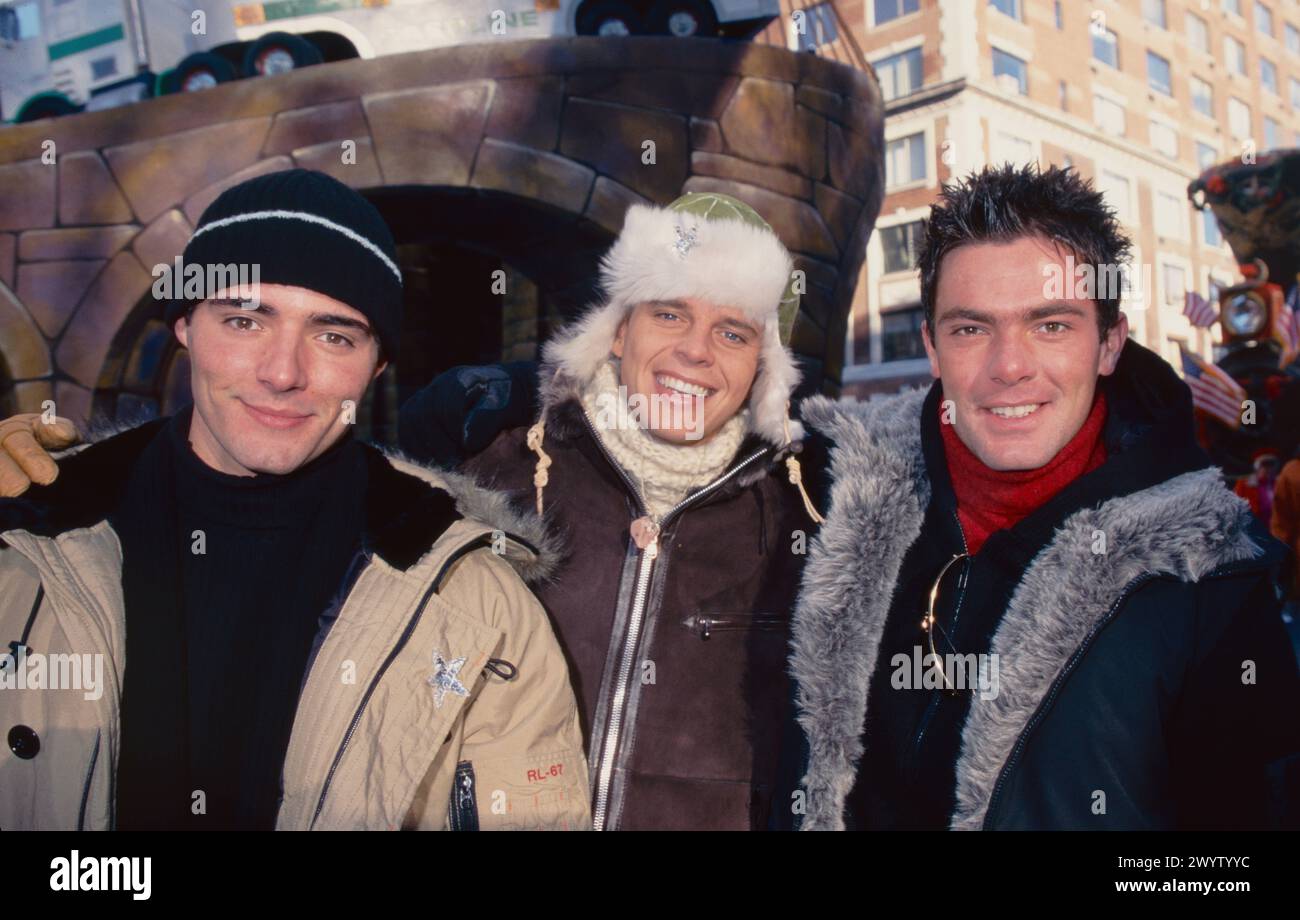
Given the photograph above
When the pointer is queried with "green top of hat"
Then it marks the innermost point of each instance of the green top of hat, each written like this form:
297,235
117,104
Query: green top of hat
716,206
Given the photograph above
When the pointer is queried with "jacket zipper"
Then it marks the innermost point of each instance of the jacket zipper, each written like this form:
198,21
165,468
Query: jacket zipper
1043,706
463,809
90,776
360,559
961,532
349,582
1067,670
370,690
707,624
928,716
641,589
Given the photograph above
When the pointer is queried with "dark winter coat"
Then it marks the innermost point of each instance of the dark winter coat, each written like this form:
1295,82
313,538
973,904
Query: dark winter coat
1145,679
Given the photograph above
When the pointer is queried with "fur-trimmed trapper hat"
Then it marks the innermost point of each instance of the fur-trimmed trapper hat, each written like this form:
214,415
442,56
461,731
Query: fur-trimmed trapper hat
708,246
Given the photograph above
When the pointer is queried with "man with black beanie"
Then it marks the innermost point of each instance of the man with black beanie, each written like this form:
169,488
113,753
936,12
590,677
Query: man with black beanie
299,631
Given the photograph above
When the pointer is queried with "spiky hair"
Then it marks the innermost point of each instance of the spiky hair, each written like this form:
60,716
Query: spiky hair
1003,203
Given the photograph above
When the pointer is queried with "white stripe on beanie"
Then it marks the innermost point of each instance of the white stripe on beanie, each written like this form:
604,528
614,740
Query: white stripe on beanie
310,218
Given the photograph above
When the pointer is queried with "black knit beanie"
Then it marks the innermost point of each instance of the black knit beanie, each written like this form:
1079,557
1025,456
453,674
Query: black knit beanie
306,229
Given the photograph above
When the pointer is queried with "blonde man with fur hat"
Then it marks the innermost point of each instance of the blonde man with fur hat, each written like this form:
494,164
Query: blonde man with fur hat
665,454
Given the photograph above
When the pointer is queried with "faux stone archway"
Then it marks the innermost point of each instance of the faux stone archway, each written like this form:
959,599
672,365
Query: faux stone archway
562,123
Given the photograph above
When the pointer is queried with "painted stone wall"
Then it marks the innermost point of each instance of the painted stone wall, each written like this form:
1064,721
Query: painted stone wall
558,127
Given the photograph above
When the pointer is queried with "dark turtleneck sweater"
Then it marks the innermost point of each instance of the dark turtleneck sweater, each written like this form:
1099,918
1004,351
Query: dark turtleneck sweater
225,580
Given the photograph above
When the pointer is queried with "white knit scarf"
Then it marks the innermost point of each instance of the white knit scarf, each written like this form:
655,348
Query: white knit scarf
664,471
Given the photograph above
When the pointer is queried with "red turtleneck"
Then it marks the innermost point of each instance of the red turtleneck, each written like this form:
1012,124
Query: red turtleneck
990,500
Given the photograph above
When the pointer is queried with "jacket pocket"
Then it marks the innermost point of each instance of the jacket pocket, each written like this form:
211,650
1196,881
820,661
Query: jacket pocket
705,625
462,811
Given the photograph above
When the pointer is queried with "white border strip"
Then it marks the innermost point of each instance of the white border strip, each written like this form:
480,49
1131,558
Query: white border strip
309,218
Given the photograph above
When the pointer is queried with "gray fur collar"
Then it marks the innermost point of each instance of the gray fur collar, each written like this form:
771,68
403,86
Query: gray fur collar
1184,528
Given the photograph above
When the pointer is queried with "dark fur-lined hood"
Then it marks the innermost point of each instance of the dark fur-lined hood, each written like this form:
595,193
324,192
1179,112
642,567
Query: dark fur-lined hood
408,505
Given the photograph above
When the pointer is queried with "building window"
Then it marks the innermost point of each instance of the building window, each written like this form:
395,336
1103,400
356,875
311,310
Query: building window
819,28
1009,148
1292,39
1158,75
1268,75
1105,47
21,21
1198,33
1153,11
1116,190
1010,71
1271,131
1232,6
905,160
1063,95
1108,115
1060,16
1263,18
102,68
1008,8
1164,139
892,9
1210,228
1170,214
1205,156
899,74
1234,55
1295,93
1174,281
1238,117
900,334
1202,96
1215,288
901,243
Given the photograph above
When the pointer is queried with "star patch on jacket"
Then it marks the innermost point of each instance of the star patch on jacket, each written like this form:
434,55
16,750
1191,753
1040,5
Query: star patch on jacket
445,678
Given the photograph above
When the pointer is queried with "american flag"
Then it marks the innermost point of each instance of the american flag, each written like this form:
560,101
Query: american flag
1288,327
1213,391
1198,310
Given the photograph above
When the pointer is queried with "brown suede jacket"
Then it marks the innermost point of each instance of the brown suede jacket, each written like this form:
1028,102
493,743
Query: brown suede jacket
678,657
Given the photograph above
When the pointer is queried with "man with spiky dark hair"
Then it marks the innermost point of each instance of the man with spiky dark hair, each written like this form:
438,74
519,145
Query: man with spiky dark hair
1034,603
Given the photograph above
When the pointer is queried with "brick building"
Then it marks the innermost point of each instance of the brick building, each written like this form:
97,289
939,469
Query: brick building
1138,95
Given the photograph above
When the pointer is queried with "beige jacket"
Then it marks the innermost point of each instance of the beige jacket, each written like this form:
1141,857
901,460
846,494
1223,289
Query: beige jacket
374,745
